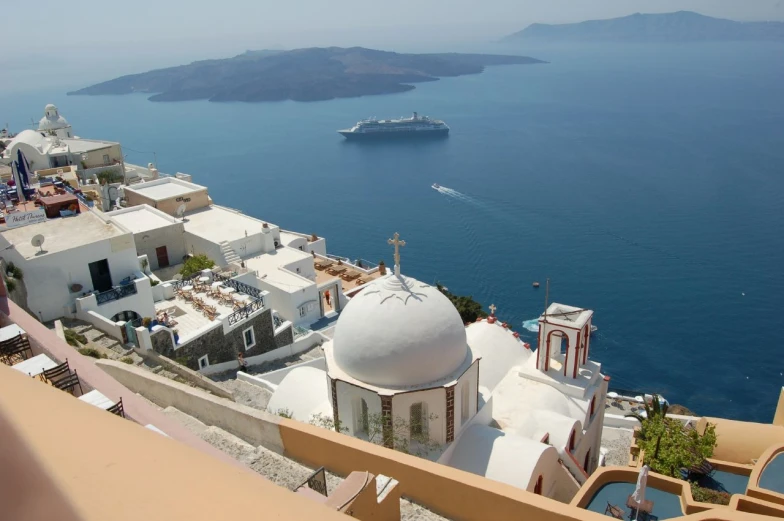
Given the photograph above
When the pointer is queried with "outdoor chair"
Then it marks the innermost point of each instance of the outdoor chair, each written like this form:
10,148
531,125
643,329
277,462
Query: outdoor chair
614,511
348,277
15,350
55,374
70,383
117,409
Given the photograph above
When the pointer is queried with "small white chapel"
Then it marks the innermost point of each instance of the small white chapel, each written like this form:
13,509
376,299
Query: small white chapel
493,406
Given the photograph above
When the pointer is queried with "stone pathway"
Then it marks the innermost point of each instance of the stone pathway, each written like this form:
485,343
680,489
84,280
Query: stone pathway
273,365
98,340
248,394
275,467
617,442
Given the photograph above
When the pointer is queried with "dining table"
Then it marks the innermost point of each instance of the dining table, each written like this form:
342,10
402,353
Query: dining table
36,365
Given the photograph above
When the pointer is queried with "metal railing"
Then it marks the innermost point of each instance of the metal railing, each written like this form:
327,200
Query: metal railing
300,331
240,287
316,482
116,293
245,312
185,281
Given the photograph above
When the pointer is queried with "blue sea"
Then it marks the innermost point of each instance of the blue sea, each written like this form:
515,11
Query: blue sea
646,182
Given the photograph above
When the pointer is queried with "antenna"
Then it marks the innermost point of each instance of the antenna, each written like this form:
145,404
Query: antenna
546,298
38,241
181,211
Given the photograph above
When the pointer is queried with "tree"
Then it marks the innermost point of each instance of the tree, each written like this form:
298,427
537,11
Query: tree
109,176
668,445
470,310
196,264
398,433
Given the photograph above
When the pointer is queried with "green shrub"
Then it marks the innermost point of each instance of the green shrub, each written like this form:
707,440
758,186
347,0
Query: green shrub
89,351
15,271
109,176
127,360
10,284
469,309
195,264
706,495
74,339
285,413
154,282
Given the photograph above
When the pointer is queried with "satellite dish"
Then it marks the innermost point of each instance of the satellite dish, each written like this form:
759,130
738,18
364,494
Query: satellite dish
180,211
37,241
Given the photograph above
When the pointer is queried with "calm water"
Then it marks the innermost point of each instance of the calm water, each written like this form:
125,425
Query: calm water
646,182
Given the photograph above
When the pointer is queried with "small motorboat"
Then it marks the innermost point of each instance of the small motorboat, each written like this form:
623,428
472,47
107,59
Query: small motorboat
536,284
436,186
594,329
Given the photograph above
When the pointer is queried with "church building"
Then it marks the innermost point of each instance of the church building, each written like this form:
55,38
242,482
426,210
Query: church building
402,368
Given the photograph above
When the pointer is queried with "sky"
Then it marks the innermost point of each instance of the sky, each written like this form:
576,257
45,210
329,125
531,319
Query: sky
106,38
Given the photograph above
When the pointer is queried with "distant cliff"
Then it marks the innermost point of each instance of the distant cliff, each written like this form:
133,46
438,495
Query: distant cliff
683,26
301,75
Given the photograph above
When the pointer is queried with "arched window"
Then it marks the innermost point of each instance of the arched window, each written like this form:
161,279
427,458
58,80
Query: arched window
418,419
361,417
571,442
538,486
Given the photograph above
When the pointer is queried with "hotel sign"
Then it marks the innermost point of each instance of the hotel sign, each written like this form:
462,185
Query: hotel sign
17,219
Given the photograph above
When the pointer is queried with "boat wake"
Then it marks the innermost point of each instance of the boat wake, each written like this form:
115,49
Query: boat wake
454,194
531,325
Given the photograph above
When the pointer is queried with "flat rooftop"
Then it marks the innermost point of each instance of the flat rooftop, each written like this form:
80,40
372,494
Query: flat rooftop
86,145
216,224
165,188
142,218
568,316
271,268
63,233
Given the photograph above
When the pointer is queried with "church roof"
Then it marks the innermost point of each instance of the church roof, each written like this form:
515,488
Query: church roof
500,456
399,332
303,393
499,349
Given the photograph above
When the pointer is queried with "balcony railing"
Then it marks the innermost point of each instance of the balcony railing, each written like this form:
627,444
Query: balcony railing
243,313
240,287
185,281
116,293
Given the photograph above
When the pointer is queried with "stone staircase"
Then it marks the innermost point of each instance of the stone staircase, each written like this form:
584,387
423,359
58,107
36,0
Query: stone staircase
229,255
96,338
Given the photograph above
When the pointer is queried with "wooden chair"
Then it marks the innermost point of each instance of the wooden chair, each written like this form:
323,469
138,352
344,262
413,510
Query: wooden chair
614,511
117,409
70,383
55,374
15,350
348,277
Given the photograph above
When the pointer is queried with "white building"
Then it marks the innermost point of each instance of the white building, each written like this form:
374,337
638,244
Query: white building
281,261
54,124
85,264
400,351
54,145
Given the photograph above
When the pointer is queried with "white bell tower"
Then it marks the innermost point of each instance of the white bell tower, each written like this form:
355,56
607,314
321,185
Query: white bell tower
564,340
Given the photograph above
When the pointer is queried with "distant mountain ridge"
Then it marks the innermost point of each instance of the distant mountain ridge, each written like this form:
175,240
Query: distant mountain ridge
311,74
682,26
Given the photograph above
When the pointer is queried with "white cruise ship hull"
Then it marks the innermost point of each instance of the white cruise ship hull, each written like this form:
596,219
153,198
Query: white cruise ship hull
395,134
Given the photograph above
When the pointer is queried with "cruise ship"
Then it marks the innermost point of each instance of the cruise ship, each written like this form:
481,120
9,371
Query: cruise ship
416,125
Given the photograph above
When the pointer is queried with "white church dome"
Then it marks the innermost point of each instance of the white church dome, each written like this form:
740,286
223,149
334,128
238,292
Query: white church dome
399,332
52,119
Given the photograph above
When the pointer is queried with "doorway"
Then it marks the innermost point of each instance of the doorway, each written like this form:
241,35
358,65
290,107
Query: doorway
100,275
163,256
329,300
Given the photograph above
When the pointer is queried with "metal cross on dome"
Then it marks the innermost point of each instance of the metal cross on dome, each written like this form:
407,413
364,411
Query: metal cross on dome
492,309
397,242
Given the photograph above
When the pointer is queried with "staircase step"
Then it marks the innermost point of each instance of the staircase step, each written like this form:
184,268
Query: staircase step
93,335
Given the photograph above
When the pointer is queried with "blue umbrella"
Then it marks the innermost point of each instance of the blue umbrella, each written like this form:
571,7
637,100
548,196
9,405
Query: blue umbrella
22,166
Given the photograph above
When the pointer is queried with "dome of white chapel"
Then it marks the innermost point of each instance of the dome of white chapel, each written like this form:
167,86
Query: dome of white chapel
399,332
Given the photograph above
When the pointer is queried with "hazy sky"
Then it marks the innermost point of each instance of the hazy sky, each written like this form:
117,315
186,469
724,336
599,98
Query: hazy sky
109,37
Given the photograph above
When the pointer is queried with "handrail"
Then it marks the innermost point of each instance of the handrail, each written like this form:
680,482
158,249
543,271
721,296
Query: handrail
241,287
245,312
117,293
